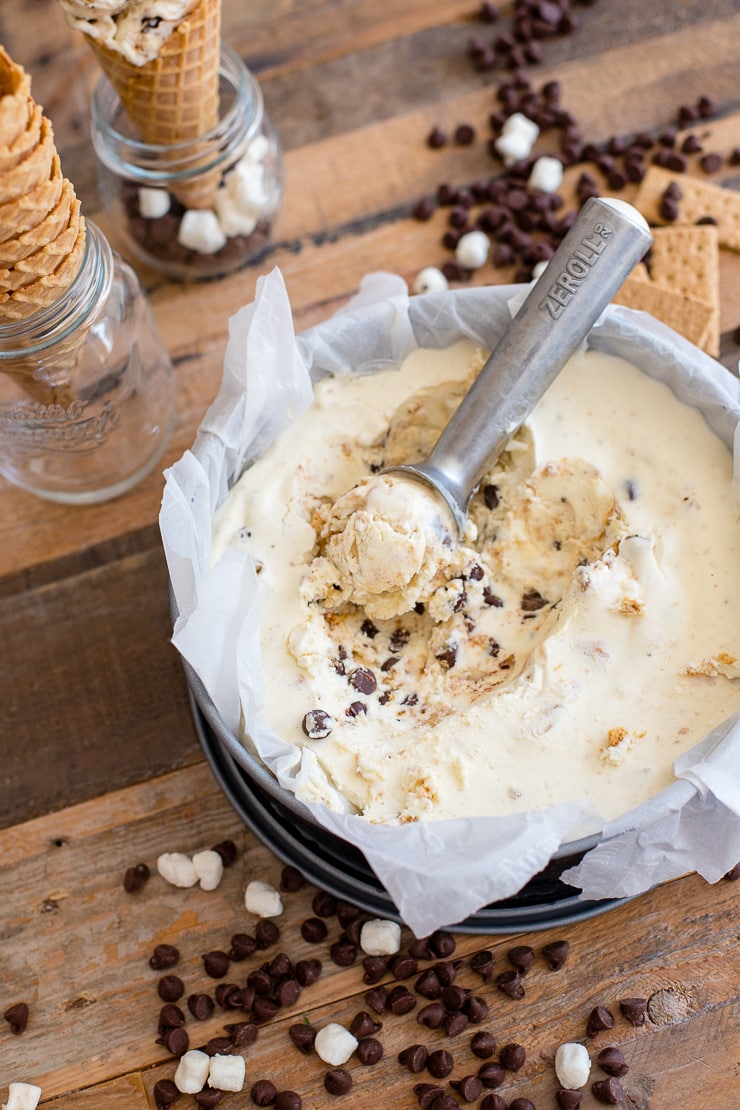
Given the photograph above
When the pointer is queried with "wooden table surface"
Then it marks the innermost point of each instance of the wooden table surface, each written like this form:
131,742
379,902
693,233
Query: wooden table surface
101,767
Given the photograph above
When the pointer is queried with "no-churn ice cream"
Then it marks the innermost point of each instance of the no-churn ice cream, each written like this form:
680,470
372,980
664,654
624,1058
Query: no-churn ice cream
581,637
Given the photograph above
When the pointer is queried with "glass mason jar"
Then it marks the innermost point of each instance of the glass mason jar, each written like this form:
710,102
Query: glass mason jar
86,390
196,209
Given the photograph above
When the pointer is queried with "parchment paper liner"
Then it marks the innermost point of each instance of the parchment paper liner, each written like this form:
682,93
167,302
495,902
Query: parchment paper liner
435,872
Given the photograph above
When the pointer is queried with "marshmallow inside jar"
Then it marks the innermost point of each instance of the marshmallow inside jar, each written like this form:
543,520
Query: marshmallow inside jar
547,675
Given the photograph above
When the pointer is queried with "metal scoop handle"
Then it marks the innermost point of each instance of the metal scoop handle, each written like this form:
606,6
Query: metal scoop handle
606,241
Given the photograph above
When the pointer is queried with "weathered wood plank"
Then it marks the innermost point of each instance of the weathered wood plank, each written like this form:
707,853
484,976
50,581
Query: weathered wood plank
94,1007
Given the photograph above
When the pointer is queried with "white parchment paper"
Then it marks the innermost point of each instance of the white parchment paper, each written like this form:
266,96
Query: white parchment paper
437,873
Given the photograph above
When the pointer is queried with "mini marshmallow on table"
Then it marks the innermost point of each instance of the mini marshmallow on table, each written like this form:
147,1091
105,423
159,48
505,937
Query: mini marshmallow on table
22,1096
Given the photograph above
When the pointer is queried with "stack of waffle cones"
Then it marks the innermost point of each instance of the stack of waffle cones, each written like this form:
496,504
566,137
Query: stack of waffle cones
175,97
42,231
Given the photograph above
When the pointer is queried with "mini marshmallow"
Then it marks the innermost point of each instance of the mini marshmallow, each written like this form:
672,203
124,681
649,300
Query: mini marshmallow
380,938
226,1073
257,149
517,138
246,186
335,1044
262,899
177,869
233,219
546,175
200,231
192,1071
22,1096
430,280
472,249
572,1065
153,203
209,867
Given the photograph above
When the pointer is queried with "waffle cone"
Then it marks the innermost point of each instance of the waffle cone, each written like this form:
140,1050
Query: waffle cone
44,288
22,214
32,170
15,100
175,97
14,250
11,155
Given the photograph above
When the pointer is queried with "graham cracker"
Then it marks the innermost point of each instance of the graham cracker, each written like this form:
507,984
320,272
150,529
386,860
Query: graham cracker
687,315
686,260
698,199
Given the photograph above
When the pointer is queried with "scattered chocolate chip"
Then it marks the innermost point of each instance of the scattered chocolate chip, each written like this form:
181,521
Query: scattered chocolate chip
343,952
164,956
288,1100
369,1051
287,992
464,134
442,944
483,1044
215,964
241,1033
491,1075
493,1102
364,1024
521,1104
314,930
512,1056
374,968
302,1036
510,983
242,946
609,1091
734,873
165,1093
170,988
710,163
436,138
475,1009
227,850
599,1019
469,1087
455,1023
414,1057
135,878
423,209
483,964
446,971
219,1046
266,933
229,996
426,1092
307,971
432,1016
707,107
522,957
428,984
401,1001
209,1096
612,1061
402,966
443,1102
263,1092
317,724
453,997
338,1081
556,954
170,1017
440,1063
264,1008
377,999
634,1010
17,1017
260,980
176,1041
291,880
568,1100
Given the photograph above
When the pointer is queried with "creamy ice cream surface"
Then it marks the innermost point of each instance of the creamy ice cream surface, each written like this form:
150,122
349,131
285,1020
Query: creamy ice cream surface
135,28
583,635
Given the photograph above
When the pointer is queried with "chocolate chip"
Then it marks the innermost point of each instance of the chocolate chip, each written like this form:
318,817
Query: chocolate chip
414,1057
609,1091
288,1100
260,980
338,1081
707,107
448,657
209,1096
490,496
668,209
317,724
491,599
313,930
201,1006
165,1092
170,988
266,933
263,1092
568,1100
491,1074
510,983
374,968
425,1093
176,1041
512,1056
612,1061
464,134
453,997
343,952
17,1017
302,1036
634,1010
428,984
135,878
531,601
483,1044
364,1024
432,1016
215,964
291,880
436,138
475,1009
227,850
164,956
241,1033
264,1008
521,1104
556,953
369,1051
440,1063
522,957
363,680
469,1087
443,1102
710,163
242,946
170,1017
377,999
599,1019
493,1102
442,944
734,873
455,1023
401,1001
229,996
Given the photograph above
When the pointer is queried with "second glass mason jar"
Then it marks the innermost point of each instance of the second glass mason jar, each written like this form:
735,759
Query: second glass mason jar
196,209
86,391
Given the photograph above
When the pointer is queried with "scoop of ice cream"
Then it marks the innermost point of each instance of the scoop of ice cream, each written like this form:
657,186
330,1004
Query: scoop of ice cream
387,540
135,28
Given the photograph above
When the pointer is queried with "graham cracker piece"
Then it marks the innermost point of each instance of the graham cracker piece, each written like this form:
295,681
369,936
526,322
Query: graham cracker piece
698,199
686,260
687,315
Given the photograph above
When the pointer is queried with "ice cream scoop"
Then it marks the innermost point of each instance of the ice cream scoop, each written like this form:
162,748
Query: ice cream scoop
606,241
